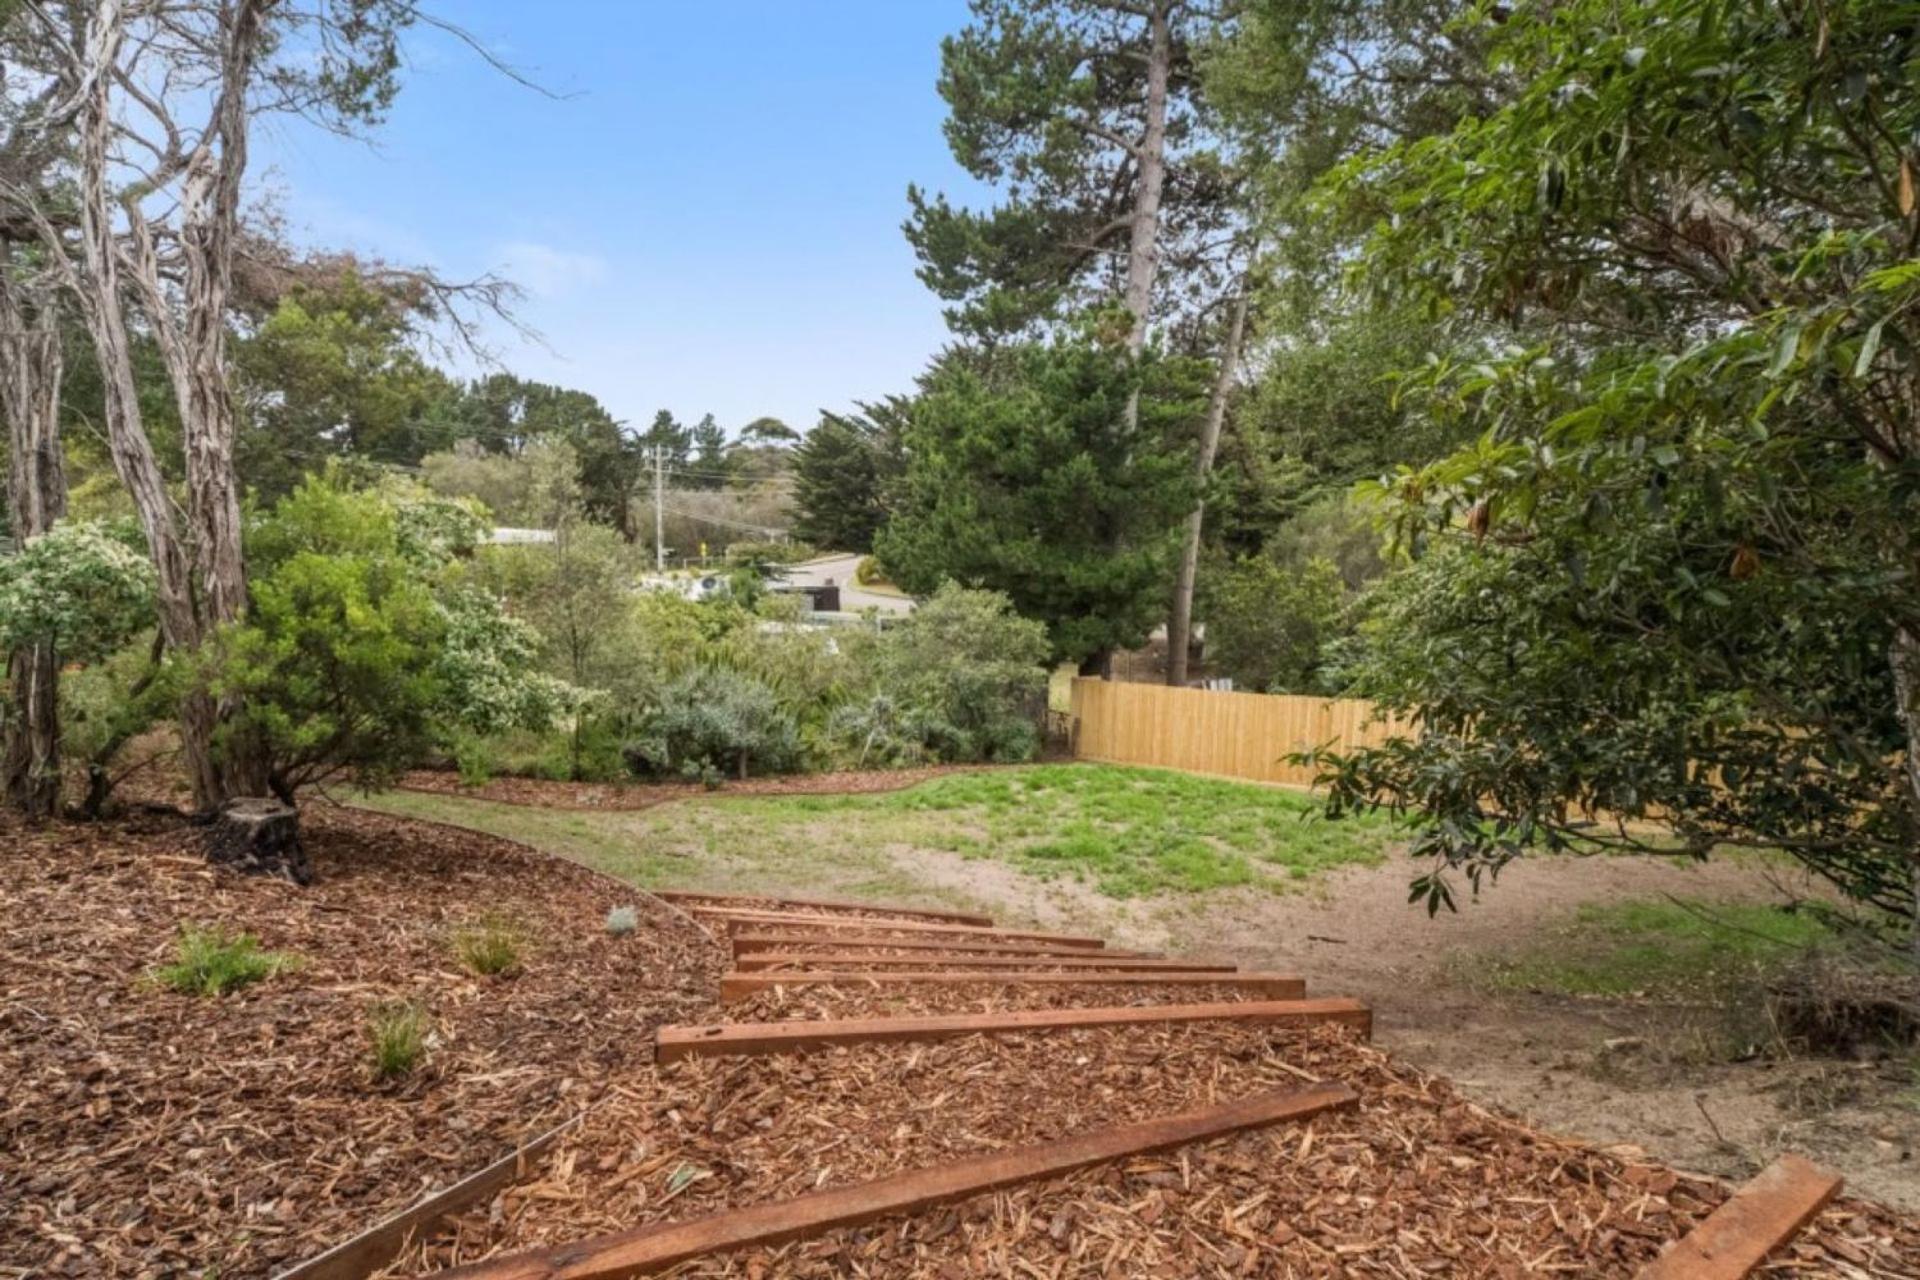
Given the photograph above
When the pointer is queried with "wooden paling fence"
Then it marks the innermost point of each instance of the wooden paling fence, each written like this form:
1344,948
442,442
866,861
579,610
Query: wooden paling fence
1234,735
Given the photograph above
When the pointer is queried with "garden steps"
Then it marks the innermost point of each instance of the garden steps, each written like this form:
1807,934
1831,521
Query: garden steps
1729,1243
652,1249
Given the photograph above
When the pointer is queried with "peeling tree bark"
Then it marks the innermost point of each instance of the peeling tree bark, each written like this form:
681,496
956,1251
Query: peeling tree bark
192,337
98,287
30,368
1180,619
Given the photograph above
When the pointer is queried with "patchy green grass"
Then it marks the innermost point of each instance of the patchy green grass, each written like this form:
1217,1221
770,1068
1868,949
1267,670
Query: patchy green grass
1659,947
1125,832
212,962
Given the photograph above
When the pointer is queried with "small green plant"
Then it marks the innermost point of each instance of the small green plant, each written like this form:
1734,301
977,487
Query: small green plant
622,921
398,1030
212,962
489,947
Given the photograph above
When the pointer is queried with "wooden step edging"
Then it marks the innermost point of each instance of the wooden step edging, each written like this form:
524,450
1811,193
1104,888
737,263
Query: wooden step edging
743,1039
731,916
758,960
737,900
735,987
379,1244
743,943
649,1249
1758,1218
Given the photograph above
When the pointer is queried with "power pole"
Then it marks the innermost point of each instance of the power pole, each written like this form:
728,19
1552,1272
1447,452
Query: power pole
659,511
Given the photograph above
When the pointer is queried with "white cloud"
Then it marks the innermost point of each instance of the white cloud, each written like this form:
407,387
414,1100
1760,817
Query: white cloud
547,272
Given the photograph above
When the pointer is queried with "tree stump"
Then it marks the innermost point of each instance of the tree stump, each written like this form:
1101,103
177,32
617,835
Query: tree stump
257,835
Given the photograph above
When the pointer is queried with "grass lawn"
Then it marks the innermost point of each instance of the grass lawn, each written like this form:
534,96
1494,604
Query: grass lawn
1658,946
1124,832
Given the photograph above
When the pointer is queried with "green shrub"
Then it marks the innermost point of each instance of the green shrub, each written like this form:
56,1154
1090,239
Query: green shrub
489,946
363,645
212,962
398,1031
713,721
961,678
1270,625
622,921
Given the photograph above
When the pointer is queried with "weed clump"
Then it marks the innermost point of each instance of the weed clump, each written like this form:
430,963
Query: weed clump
489,947
398,1031
622,921
212,962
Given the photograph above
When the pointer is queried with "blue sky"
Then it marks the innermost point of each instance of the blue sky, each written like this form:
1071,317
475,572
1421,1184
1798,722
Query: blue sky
708,221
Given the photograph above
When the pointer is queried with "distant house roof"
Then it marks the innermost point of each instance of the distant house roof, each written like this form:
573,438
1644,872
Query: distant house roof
503,537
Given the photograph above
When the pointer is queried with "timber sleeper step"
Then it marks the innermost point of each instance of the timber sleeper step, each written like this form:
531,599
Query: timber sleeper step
1760,1217
793,961
744,901
744,943
742,1039
656,1248
733,917
735,987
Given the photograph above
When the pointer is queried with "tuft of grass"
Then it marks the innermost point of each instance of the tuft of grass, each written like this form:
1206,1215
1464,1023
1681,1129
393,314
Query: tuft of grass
212,962
1662,948
622,921
398,1031
488,947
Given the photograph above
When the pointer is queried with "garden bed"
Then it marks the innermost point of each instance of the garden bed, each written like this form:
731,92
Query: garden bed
547,793
149,1132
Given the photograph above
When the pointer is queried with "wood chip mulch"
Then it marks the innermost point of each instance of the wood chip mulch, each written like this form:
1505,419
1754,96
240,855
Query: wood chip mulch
710,1134
910,1000
620,796
149,1133
1417,1182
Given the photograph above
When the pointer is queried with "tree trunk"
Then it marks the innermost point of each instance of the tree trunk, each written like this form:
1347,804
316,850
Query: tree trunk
1143,247
1180,619
195,348
30,369
1905,659
102,307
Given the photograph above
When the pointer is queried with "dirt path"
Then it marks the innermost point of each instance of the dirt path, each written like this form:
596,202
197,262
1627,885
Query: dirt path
1548,1058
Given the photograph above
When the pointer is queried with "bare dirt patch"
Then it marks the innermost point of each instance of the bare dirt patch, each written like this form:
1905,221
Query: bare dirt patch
147,1132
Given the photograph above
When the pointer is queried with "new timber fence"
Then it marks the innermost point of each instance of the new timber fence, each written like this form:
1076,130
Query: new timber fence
1234,735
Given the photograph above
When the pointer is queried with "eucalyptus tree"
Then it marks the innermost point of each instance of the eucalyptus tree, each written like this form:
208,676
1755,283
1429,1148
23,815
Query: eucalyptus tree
154,101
